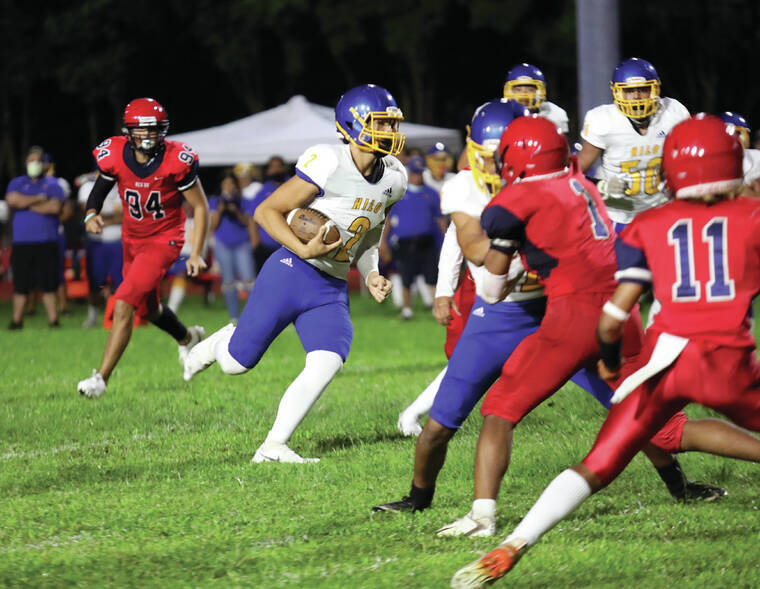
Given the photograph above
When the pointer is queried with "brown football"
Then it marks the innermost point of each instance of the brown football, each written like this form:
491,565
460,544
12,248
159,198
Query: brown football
305,223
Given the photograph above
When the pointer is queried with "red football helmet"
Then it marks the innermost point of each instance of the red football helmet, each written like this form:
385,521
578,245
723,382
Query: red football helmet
531,146
150,117
702,156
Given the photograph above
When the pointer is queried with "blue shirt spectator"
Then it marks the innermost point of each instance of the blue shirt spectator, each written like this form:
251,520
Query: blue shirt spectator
30,226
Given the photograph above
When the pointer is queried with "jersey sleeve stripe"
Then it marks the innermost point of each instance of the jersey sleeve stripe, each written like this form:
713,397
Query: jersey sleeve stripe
305,177
639,275
188,184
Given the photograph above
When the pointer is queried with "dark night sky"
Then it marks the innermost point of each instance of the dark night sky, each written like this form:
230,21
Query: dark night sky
703,53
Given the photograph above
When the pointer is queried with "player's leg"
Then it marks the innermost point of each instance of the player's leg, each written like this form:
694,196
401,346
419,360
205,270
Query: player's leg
539,366
464,298
409,419
490,336
326,333
624,432
274,303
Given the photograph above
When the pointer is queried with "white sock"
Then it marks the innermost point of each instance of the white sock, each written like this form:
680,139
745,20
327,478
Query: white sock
227,363
563,495
424,290
176,296
321,366
424,401
92,313
397,293
484,508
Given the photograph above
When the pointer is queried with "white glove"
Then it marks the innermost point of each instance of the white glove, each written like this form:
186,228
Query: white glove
612,187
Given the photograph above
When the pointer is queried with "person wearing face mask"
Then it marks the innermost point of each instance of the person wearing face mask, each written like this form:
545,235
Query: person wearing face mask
36,201
263,244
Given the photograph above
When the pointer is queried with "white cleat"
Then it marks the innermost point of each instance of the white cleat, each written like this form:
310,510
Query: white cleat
409,423
470,526
276,452
196,333
201,356
92,387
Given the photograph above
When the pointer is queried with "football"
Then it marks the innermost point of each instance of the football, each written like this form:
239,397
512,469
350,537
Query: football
305,223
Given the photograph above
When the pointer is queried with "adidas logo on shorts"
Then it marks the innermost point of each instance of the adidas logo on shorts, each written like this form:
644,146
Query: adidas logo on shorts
287,261
479,312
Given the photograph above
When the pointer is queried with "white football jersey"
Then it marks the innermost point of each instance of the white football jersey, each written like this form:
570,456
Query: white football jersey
555,114
634,157
354,204
111,205
461,195
751,165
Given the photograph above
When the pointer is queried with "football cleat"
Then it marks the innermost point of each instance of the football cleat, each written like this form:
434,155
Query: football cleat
409,423
470,526
490,568
701,492
406,504
276,452
196,333
201,356
92,387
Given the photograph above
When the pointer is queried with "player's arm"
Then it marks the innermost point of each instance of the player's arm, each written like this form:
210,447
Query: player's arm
609,332
368,259
506,232
270,215
473,241
16,200
196,198
93,222
588,155
449,267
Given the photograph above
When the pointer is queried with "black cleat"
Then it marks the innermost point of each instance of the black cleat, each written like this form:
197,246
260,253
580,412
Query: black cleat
701,492
406,504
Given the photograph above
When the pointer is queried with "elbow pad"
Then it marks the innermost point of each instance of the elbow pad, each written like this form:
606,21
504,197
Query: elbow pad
492,286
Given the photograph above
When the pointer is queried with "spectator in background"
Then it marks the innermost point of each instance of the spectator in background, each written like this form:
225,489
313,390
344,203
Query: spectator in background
440,164
263,244
36,202
178,270
415,223
104,255
248,177
230,221
66,215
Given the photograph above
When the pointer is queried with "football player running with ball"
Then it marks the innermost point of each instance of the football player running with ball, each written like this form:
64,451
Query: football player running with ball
154,178
354,185
701,254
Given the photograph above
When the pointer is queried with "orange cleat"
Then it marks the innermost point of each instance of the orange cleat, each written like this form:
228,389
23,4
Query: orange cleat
490,568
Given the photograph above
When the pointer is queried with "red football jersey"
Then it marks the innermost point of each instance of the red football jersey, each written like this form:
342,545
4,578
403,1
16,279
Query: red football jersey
704,263
561,229
150,193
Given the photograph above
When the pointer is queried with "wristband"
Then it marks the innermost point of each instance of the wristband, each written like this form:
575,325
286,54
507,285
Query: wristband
89,216
615,312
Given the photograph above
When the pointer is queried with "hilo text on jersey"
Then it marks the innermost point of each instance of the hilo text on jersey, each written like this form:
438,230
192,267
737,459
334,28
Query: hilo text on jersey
142,184
367,204
640,150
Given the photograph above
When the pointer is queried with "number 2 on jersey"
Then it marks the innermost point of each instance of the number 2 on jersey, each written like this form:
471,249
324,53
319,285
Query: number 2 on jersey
686,287
358,227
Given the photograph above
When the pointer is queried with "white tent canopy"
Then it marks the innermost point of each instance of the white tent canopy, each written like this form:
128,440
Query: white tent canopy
287,130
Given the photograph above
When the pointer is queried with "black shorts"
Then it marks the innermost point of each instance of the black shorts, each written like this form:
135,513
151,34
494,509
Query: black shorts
414,256
35,266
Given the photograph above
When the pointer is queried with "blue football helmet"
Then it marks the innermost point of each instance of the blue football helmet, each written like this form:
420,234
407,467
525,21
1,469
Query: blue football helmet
740,125
359,114
525,74
438,160
636,73
488,124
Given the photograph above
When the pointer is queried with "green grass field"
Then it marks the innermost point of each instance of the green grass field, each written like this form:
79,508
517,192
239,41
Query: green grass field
152,485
